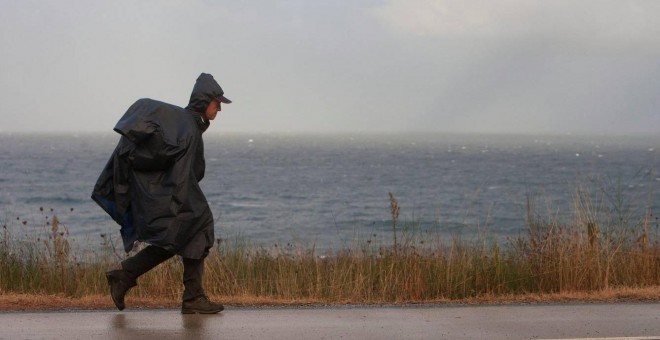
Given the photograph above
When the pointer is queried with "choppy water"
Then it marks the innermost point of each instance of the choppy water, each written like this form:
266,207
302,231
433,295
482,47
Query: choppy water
328,189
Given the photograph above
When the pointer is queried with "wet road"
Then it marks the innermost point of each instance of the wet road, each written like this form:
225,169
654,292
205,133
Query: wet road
635,320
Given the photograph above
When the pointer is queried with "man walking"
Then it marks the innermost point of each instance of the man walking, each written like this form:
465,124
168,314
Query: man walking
150,186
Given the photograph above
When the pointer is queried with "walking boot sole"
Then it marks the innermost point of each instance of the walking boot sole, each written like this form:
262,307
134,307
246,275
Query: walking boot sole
200,311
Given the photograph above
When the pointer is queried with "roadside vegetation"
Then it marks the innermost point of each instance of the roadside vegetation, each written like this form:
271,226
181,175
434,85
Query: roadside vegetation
599,248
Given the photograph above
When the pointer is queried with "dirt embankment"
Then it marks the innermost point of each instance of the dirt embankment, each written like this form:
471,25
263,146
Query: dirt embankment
25,302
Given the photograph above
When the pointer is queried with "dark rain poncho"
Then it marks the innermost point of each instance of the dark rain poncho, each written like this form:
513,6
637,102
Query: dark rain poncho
150,185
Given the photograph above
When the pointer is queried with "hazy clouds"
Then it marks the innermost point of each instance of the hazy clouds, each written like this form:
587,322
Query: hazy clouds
295,66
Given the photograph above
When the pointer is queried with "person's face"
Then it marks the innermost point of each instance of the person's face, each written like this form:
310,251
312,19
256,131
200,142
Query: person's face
212,110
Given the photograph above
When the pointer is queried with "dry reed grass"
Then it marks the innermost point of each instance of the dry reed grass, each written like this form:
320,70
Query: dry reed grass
591,254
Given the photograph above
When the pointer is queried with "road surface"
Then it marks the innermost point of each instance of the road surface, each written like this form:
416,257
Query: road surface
554,321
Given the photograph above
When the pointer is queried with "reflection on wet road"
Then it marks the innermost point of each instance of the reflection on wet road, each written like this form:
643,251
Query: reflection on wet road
134,325
413,322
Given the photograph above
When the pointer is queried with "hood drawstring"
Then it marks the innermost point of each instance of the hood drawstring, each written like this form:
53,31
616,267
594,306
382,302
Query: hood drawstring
202,123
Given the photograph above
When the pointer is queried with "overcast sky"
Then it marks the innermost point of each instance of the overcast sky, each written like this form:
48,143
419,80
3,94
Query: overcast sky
505,66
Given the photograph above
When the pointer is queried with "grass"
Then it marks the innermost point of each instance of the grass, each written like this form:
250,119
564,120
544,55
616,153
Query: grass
593,253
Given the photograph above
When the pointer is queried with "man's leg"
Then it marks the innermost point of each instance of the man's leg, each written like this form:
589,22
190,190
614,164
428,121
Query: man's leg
121,280
193,271
194,298
145,260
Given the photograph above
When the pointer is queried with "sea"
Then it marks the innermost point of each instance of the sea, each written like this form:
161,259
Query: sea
330,191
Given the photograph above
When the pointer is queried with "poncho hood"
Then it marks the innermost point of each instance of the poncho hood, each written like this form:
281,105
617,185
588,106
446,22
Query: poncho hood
206,89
